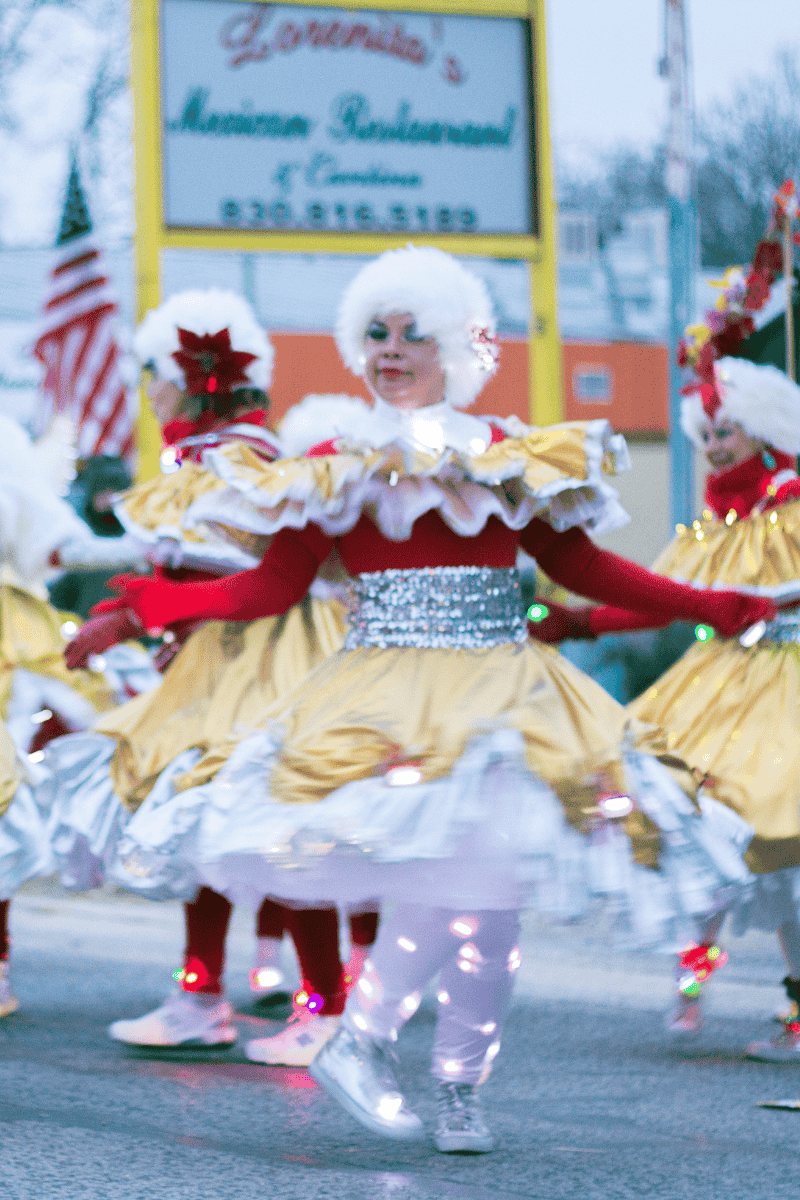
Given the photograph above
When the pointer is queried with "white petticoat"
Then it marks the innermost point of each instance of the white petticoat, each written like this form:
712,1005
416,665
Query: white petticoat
772,899
86,818
24,843
489,835
27,826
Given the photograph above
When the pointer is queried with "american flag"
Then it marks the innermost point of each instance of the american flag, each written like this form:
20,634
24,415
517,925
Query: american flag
77,345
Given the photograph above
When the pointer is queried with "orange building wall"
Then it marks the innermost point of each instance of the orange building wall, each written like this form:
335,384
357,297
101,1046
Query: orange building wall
309,362
637,375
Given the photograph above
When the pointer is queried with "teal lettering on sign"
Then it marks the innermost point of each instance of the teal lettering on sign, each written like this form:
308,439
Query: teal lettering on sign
196,118
293,116
352,122
324,169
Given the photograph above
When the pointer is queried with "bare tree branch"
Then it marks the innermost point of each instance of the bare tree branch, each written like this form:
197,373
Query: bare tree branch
748,145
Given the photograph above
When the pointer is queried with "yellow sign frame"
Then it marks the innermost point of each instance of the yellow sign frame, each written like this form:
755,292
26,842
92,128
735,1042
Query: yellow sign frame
152,236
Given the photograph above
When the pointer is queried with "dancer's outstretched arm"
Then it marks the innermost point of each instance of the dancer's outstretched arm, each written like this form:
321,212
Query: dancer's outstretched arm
152,602
575,562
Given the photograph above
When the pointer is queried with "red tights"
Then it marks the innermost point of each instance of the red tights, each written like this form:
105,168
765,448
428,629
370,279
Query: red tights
5,940
314,931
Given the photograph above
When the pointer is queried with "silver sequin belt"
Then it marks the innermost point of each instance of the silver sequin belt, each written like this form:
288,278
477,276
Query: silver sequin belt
460,608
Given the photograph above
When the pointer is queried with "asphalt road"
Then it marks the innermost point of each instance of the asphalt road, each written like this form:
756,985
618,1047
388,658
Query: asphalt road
588,1099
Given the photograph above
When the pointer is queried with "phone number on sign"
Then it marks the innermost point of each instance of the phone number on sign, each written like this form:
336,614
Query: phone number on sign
257,214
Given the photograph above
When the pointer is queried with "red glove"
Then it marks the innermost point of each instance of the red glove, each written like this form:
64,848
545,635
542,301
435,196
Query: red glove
280,580
572,560
607,619
111,604
101,633
730,613
170,649
560,623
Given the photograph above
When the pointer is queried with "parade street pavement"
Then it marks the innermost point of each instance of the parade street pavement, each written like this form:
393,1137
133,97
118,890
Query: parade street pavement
588,1099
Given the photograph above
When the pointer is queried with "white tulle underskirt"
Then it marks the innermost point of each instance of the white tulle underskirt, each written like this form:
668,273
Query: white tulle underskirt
25,850
489,835
770,900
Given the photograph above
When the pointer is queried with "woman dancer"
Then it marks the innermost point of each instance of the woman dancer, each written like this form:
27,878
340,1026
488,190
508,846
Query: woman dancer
211,365
731,710
39,698
440,760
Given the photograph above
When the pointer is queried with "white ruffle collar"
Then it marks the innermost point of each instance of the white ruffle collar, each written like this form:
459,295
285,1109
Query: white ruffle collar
439,427
433,429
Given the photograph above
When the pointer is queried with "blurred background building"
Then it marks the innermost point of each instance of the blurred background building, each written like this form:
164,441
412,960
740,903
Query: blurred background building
613,316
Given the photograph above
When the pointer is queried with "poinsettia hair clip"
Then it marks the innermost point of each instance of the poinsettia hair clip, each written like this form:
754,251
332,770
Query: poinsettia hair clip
210,365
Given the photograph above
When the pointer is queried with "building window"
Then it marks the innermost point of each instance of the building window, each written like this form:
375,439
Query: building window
578,237
593,384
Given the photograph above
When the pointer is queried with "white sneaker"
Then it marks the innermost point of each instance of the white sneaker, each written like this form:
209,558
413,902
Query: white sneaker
460,1124
360,1073
182,1020
297,1045
686,1019
784,1048
8,1001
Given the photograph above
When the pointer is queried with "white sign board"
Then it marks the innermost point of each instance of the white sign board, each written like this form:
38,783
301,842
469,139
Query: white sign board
287,117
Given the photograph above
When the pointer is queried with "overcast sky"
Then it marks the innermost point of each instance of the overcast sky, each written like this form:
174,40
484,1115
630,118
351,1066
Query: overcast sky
603,54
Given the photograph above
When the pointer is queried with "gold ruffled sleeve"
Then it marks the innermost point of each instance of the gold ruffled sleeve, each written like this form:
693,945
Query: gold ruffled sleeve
556,473
160,503
762,550
154,512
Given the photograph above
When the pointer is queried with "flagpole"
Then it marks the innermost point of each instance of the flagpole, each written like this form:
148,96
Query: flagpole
682,245
788,274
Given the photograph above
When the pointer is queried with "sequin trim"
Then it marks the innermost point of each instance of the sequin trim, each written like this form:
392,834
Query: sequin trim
783,628
461,608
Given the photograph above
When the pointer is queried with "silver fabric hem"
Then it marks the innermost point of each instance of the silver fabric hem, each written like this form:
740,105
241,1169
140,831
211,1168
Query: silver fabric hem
490,835
24,844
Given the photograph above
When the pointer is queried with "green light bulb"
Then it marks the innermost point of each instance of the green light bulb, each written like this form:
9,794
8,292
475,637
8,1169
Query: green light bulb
538,612
703,633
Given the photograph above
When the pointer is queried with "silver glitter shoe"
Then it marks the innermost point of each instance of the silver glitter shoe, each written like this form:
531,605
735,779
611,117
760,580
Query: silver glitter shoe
359,1072
460,1124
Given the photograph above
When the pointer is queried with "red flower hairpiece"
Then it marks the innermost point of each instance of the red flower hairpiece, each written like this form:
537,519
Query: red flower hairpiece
209,364
745,291
709,397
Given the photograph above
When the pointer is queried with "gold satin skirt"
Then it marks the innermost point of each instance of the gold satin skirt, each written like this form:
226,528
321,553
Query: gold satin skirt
217,687
733,714
31,639
10,770
364,711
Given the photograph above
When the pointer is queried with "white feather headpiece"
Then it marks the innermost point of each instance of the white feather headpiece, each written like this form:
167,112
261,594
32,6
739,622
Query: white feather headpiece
203,312
446,301
762,399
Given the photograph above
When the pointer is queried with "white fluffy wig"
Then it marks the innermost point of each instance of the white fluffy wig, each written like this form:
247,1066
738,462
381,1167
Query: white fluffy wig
762,399
446,301
203,312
